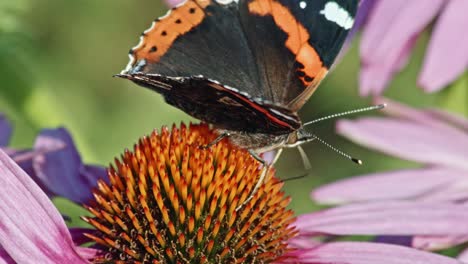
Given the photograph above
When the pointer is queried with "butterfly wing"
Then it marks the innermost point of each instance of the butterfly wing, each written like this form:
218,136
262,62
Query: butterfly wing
294,43
199,59
198,38
266,55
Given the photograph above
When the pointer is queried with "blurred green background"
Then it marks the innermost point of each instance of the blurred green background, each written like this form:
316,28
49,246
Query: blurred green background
57,59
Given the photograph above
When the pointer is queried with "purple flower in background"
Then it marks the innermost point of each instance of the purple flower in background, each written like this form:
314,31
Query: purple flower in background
5,131
54,163
435,138
389,35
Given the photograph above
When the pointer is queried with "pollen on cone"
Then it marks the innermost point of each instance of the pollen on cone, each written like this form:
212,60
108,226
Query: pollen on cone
172,201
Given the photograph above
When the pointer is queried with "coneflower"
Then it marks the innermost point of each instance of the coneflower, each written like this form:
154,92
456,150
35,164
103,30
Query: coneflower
171,200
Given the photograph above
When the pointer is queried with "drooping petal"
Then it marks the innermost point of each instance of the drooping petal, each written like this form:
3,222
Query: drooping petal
447,55
30,226
451,118
405,184
5,131
438,242
433,117
442,145
368,253
63,172
303,242
388,218
388,38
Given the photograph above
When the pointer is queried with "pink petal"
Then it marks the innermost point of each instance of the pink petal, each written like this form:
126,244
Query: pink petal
89,253
368,253
404,184
438,242
30,226
463,257
442,145
389,37
388,218
302,242
447,55
433,117
451,118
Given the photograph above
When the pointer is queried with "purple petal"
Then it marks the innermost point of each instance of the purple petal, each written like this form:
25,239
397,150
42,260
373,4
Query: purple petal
391,185
5,131
63,172
92,173
447,55
368,253
365,8
30,226
395,240
442,145
78,236
438,242
389,37
397,218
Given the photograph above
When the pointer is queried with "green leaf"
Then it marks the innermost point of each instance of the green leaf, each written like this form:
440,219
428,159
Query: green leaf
455,97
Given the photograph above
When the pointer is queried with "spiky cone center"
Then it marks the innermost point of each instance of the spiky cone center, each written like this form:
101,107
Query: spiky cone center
171,201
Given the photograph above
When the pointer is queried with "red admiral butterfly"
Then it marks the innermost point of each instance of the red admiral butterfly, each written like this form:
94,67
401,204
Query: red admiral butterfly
245,66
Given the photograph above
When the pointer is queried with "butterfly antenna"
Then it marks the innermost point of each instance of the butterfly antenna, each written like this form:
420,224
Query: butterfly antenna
357,161
372,108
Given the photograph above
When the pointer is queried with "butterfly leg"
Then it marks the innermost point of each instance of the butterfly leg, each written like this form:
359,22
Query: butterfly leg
217,140
265,168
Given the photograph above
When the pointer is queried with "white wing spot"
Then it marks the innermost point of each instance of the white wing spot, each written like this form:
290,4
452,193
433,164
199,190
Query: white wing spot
226,2
302,4
335,13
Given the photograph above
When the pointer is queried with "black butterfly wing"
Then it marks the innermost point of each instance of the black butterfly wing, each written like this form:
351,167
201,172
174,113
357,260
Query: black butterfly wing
294,43
269,55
